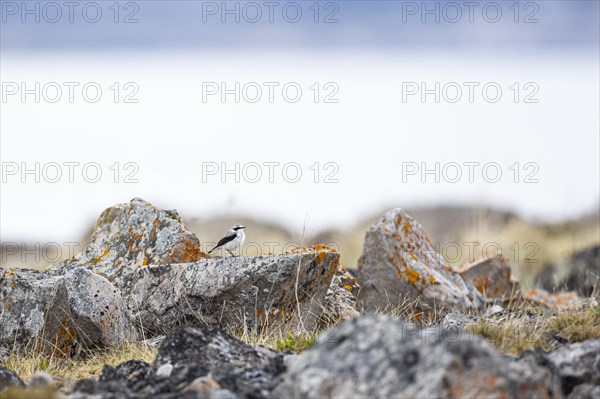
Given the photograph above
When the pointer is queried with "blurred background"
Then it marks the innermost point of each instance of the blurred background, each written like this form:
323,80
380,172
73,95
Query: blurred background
305,121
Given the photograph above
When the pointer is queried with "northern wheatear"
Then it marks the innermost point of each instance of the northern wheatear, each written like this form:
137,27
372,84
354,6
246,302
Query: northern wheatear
232,240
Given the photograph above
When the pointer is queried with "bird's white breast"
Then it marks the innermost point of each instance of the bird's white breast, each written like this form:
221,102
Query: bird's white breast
236,242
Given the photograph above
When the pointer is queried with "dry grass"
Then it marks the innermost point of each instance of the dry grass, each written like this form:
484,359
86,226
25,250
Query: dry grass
523,328
64,369
529,247
518,332
411,310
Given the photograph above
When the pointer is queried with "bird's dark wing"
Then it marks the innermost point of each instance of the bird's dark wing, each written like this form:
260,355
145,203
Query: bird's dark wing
228,237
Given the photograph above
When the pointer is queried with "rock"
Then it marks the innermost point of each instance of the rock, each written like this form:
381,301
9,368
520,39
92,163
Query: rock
400,263
579,272
378,357
9,378
132,372
40,380
164,371
578,364
557,301
128,237
97,309
35,313
187,376
164,280
495,311
491,277
234,292
202,384
457,321
60,314
340,301
200,355
121,381
585,391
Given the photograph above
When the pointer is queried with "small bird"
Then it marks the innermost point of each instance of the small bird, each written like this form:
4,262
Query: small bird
232,240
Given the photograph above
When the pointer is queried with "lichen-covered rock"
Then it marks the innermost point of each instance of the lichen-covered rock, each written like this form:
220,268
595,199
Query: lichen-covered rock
492,277
194,361
122,381
340,301
399,262
35,313
578,364
97,309
381,358
156,267
130,236
579,272
233,292
195,351
558,300
60,315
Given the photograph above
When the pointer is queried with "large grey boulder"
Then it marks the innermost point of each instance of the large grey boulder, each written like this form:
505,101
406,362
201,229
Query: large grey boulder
235,292
35,313
98,310
131,236
375,357
60,314
400,263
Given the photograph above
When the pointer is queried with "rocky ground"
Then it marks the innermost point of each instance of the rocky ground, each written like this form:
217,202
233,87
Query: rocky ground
297,324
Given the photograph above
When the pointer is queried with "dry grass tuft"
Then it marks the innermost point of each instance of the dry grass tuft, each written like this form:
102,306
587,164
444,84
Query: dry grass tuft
413,311
517,332
65,369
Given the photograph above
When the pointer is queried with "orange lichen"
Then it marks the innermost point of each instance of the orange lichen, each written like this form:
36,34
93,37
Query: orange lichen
412,276
482,284
323,247
320,256
65,339
431,280
191,253
145,261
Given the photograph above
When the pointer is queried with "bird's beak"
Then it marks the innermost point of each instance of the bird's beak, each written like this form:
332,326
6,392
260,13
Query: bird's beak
243,227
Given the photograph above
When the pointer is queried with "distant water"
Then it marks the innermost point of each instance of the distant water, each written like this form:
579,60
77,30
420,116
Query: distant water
364,140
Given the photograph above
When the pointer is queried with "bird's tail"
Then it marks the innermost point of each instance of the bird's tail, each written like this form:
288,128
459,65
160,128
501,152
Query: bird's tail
212,250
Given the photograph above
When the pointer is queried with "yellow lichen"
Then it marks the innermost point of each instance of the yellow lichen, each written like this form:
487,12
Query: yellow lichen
412,276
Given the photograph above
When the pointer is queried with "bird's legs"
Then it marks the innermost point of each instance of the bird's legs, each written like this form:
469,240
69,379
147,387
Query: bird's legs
231,253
